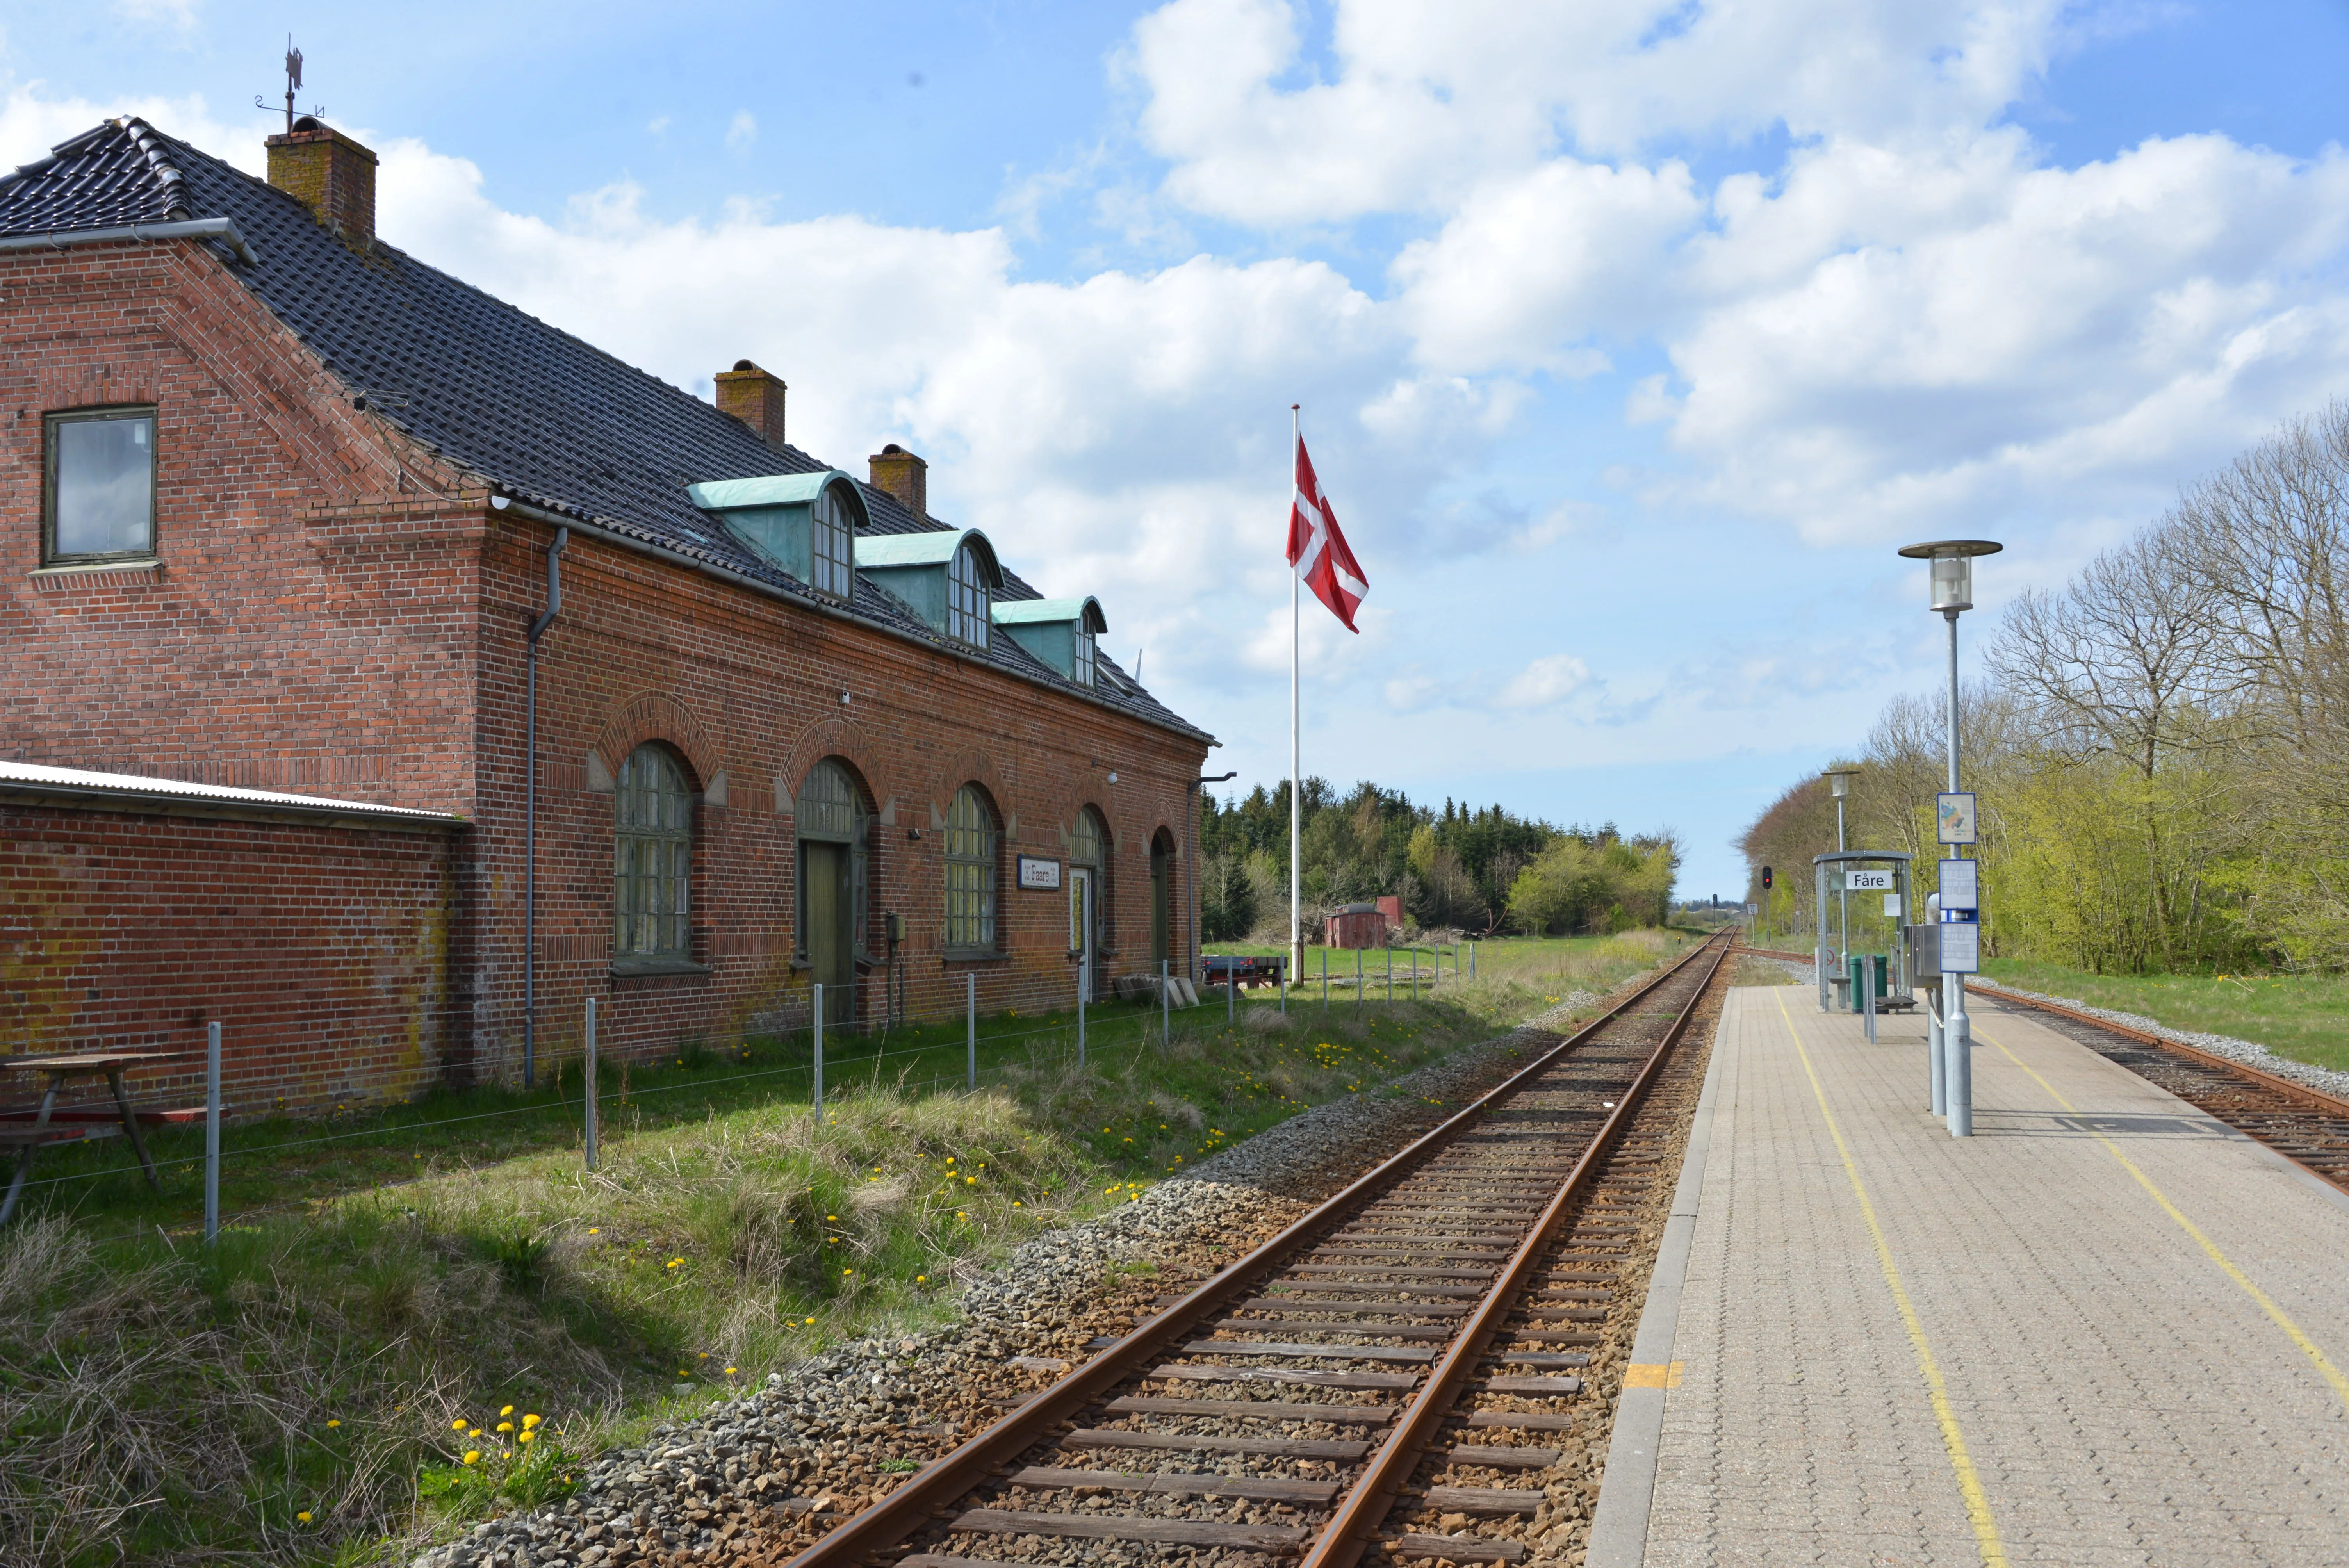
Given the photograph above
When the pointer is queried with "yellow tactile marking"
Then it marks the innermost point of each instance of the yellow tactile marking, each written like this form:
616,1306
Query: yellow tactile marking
1653,1373
2227,1265
1986,1537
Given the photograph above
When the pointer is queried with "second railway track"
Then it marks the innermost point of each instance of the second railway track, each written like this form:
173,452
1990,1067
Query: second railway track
1395,1370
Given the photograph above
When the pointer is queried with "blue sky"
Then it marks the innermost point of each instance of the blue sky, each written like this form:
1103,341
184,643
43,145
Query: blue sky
1632,339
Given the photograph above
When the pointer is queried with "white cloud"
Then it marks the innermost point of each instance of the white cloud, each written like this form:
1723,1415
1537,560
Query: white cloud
742,129
1544,683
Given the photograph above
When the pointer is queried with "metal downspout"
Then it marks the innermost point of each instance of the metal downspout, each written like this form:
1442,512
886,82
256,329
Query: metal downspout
530,817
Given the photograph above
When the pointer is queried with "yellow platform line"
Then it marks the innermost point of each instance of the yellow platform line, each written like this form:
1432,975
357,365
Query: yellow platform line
2227,1265
1986,1537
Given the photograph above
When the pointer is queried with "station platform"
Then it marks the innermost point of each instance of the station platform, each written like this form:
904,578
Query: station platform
2107,1330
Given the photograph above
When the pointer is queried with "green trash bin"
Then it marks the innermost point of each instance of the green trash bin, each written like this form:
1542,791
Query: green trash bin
1883,979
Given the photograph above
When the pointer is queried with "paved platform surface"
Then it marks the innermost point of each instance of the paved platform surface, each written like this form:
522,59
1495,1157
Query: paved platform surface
2104,1330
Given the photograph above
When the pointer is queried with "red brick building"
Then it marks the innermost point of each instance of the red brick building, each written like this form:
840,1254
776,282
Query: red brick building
284,506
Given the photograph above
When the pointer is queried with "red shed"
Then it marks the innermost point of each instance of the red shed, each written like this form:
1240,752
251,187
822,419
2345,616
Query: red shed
1358,925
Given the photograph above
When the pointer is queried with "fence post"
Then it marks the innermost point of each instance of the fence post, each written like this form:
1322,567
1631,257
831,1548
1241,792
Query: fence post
817,1024
1325,977
212,1133
970,1023
1472,960
1080,1029
1390,970
1165,1005
1231,993
591,1083
1414,971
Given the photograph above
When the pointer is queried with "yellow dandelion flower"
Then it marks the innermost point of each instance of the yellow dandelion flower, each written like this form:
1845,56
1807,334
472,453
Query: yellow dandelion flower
674,1263
845,1273
729,1371
529,1421
505,1426
524,1437
304,1517
473,1456
458,1425
507,1411
334,1422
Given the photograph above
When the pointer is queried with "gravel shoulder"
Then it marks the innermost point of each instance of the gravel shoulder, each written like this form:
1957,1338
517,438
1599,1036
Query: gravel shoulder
770,1471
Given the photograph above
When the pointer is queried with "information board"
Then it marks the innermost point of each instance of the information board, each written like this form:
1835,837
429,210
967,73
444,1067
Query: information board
1891,906
1961,948
1038,871
1961,886
1954,814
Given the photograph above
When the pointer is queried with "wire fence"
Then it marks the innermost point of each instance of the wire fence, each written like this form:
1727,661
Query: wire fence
1079,1037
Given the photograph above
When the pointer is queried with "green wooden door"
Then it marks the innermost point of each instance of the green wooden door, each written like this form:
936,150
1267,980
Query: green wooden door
831,941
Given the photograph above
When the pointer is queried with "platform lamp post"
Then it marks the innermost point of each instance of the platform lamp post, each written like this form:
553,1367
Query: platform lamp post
1953,593
1839,784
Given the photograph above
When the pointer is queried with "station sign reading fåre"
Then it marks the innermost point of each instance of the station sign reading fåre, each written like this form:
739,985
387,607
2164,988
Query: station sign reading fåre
1040,872
1867,882
1954,815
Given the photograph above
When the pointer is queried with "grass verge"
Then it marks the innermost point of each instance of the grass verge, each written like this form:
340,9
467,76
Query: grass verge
426,1312
2304,1017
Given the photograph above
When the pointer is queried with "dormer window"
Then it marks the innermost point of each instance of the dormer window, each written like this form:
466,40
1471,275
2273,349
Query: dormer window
804,524
832,545
967,620
946,576
1062,632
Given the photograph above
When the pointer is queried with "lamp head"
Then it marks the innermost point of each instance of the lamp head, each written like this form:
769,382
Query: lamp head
1840,781
1953,569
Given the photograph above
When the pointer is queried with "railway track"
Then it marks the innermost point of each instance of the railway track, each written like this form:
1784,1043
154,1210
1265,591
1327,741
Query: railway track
2304,1125
1396,1370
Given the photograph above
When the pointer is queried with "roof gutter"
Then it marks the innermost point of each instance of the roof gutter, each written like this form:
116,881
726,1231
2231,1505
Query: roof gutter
224,230
171,803
712,569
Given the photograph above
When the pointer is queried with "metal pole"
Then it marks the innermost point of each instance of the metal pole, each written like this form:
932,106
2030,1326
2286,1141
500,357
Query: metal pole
1390,971
971,1022
212,1133
1358,977
818,1049
1296,765
1472,960
1081,1029
1231,993
1165,1007
1957,1033
591,1083
1937,1101
1414,971
1842,895
530,813
1868,988
1325,976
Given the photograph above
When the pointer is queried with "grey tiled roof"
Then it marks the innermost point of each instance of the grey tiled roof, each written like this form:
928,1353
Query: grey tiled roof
542,415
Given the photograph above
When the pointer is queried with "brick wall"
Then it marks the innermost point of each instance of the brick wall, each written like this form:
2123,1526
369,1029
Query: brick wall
321,951
336,612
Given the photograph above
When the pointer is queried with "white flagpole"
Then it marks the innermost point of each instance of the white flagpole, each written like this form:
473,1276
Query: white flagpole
1296,778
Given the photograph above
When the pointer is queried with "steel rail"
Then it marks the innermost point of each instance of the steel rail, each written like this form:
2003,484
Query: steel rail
2315,1099
912,1506
1364,1508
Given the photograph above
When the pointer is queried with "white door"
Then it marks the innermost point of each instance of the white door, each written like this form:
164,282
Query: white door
1080,927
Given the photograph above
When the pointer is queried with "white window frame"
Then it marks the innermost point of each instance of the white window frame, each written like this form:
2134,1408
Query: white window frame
831,547
968,615
972,847
652,870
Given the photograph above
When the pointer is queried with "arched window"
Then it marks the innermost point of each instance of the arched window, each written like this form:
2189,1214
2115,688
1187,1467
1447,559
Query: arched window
834,828
966,601
832,542
970,872
1084,656
653,860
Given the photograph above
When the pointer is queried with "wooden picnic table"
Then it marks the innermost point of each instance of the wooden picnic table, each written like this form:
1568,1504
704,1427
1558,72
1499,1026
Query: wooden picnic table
33,1130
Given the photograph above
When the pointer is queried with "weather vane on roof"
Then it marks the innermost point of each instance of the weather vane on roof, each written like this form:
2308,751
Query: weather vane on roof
293,86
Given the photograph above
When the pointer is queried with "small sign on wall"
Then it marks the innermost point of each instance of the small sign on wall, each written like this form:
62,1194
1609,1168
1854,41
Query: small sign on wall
1040,872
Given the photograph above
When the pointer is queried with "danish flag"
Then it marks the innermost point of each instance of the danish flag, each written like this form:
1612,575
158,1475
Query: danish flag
1318,550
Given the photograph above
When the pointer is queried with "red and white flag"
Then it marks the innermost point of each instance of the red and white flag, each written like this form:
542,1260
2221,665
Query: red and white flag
1318,550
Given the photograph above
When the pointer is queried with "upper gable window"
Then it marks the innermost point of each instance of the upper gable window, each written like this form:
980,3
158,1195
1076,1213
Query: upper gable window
967,599
99,495
1084,656
831,544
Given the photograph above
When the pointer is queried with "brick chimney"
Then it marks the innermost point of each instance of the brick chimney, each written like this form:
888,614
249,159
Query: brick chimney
903,475
331,175
755,398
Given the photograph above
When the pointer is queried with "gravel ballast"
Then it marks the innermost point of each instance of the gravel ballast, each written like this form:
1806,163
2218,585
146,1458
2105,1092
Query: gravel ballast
778,1468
